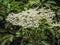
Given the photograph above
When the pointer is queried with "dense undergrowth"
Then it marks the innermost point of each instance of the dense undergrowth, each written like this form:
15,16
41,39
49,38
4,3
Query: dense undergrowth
18,35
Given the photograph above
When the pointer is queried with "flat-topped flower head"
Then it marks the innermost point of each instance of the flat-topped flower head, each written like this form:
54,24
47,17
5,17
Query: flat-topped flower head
31,17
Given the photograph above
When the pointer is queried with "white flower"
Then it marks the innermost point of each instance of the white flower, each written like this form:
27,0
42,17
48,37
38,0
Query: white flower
55,24
31,17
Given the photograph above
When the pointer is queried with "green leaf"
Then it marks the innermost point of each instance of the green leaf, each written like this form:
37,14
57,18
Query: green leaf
51,31
0,0
6,38
6,2
58,12
47,5
51,2
43,21
1,18
45,43
17,6
18,34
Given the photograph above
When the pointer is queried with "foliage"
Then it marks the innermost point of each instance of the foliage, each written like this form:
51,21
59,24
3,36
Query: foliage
17,35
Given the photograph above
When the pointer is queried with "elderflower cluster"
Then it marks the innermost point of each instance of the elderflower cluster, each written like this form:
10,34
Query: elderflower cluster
31,17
